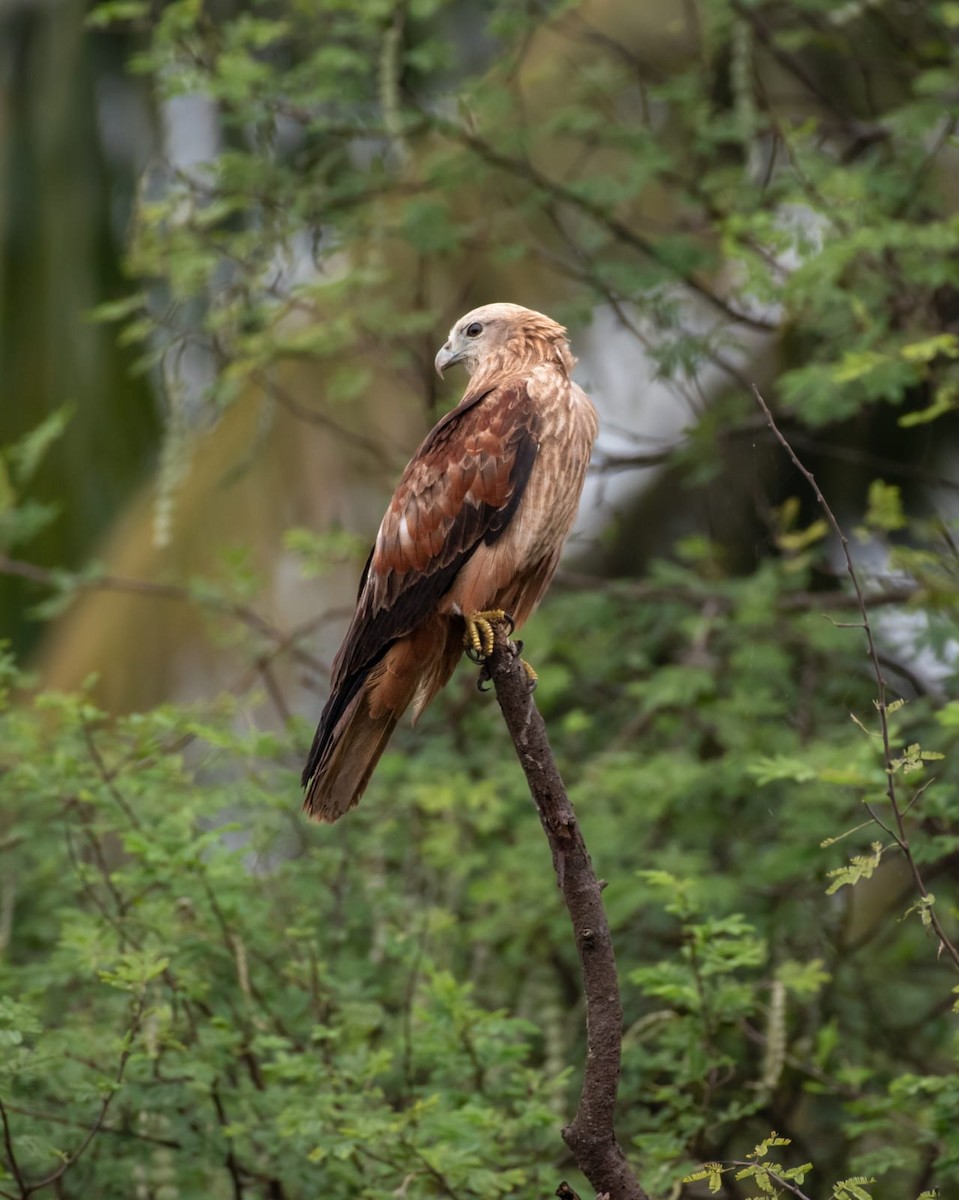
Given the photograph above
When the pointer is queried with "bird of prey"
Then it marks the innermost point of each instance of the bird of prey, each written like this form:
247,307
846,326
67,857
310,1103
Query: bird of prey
474,531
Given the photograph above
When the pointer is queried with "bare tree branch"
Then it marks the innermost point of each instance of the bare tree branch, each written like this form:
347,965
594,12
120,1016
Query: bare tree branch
11,1157
620,230
591,1134
890,593
315,416
130,1134
28,1189
242,613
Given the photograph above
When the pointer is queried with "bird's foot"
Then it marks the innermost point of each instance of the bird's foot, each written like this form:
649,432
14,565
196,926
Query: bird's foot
484,678
480,635
516,649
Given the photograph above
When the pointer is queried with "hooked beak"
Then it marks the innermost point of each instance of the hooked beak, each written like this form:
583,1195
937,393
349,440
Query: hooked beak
446,358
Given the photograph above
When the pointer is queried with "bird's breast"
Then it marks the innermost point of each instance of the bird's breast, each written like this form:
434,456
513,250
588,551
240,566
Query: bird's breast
514,571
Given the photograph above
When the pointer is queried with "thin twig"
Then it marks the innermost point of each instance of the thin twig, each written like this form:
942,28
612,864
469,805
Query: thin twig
132,1134
107,777
314,416
899,833
27,1189
637,589
775,1178
161,591
621,230
11,1157
8,900
230,1162
591,1135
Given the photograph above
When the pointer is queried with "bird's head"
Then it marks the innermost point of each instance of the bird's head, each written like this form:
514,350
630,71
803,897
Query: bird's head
504,335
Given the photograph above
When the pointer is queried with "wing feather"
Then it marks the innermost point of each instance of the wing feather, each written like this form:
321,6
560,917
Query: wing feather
460,489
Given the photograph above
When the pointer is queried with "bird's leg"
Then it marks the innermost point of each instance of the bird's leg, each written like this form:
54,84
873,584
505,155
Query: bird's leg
479,637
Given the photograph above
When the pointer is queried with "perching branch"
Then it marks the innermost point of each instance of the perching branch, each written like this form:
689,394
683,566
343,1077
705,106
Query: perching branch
590,1135
898,832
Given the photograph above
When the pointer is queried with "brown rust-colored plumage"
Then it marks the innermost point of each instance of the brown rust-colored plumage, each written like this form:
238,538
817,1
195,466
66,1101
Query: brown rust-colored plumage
477,522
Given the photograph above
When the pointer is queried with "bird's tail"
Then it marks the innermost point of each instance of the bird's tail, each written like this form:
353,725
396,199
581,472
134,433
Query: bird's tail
345,756
353,751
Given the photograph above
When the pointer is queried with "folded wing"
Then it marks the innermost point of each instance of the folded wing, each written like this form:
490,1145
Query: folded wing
460,490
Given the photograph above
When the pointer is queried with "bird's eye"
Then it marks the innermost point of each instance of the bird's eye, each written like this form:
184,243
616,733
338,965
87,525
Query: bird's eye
474,330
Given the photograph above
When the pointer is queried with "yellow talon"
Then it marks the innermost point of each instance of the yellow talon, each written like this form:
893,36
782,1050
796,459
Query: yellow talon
480,636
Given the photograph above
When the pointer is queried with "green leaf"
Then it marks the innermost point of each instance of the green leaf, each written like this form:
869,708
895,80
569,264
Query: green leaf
856,364
884,507
913,758
134,969
115,11
945,344
853,1189
762,1150
781,767
945,400
712,1173
26,455
803,978
860,866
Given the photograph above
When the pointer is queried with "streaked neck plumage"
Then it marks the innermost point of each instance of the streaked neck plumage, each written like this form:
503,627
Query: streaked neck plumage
521,354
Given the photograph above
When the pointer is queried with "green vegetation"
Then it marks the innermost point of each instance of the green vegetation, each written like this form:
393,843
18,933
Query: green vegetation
201,995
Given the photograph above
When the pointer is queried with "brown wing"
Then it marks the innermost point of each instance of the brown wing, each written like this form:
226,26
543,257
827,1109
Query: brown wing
460,489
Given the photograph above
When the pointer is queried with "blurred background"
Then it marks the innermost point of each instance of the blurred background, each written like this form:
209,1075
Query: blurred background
232,238
287,212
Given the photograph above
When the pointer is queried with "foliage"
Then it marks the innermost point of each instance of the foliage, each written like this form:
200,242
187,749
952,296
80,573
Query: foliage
287,1019
21,516
202,996
392,1003
835,221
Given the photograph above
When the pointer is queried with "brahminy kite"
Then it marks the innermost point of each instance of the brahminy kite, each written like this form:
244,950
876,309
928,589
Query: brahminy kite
474,531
